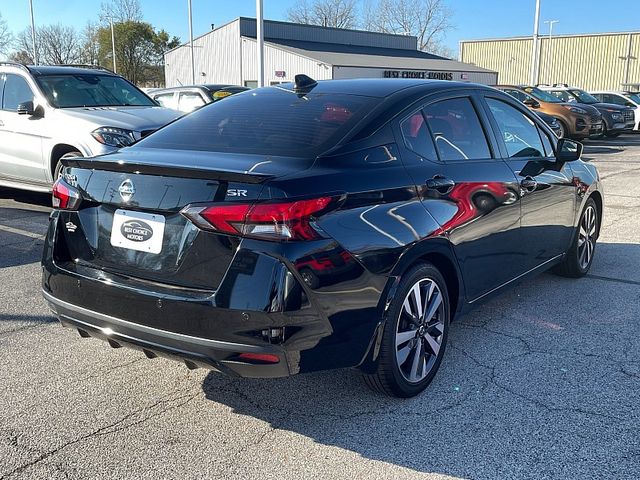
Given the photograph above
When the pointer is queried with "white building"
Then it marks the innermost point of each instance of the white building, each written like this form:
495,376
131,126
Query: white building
228,55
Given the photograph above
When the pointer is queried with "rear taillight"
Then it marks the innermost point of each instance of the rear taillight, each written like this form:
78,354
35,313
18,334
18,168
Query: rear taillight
65,197
273,221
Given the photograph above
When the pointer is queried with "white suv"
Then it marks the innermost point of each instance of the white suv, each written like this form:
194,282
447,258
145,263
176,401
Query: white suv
625,99
51,112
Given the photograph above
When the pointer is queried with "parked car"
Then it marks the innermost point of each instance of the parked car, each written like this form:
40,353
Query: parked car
552,123
576,122
615,118
409,201
624,99
54,112
188,98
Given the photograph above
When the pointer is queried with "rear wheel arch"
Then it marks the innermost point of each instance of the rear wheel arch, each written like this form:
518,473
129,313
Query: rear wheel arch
57,152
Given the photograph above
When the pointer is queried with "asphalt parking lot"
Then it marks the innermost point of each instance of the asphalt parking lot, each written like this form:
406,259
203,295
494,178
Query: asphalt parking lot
543,382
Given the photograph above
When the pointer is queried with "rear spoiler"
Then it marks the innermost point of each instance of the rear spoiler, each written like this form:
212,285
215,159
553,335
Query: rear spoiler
168,170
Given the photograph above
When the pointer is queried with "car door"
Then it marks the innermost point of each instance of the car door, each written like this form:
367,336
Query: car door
21,135
547,189
470,192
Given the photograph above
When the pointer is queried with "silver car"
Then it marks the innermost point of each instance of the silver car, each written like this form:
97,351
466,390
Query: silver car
53,112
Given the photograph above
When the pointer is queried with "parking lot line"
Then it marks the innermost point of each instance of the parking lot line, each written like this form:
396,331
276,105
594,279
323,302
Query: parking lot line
19,231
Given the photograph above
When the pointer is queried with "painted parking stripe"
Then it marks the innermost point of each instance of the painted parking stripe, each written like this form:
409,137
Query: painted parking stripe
19,231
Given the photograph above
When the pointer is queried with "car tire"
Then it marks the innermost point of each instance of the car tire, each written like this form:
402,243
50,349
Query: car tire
579,258
412,348
57,171
563,129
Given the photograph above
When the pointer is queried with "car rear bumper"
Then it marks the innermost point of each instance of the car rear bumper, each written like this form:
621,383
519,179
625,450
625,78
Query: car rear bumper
193,351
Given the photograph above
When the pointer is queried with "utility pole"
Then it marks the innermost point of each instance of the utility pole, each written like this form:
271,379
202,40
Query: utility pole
549,62
193,61
33,34
260,41
535,53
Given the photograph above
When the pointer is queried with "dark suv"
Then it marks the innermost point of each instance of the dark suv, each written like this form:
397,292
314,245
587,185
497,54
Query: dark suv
348,233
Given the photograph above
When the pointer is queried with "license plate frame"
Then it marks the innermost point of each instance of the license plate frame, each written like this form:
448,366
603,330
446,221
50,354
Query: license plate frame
143,232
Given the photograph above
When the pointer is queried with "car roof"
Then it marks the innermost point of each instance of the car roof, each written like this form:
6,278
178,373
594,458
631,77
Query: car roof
211,87
380,87
38,70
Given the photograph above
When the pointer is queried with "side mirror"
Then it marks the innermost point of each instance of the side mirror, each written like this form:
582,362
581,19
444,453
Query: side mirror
26,108
530,102
568,150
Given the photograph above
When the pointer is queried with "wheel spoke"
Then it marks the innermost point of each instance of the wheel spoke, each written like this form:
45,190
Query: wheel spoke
416,364
403,354
433,344
417,298
404,337
436,329
436,300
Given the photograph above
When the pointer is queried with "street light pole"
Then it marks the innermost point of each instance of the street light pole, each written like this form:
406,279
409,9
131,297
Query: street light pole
535,53
549,62
113,45
193,61
33,34
260,41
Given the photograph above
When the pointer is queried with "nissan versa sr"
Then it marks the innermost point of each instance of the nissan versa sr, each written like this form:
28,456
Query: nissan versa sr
318,225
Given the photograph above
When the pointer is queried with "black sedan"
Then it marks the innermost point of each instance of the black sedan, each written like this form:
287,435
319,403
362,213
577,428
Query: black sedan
318,225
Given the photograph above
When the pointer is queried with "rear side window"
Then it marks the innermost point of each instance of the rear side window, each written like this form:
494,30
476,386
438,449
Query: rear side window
416,136
457,130
518,131
189,101
166,100
562,95
272,122
16,91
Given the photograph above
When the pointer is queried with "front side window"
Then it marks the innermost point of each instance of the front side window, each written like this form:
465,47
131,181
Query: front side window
519,132
416,136
91,90
563,96
517,94
189,101
16,91
271,122
583,97
457,130
541,95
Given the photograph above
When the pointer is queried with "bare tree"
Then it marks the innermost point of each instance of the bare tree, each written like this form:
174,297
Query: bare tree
6,38
24,47
90,45
122,10
428,20
60,44
328,13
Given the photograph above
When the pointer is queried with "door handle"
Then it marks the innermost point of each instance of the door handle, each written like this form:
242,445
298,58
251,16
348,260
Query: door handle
440,184
528,184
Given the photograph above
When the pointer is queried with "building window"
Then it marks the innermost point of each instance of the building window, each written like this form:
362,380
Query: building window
251,83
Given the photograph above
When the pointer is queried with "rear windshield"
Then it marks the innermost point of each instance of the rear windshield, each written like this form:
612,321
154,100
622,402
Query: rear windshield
270,122
89,90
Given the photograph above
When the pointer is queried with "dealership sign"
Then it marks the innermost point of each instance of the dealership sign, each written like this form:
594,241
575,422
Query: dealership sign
418,74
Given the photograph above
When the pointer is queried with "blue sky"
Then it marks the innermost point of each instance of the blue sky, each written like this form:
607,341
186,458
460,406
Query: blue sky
473,19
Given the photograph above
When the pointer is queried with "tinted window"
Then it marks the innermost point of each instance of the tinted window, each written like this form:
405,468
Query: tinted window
269,122
166,100
563,96
546,141
16,91
189,101
457,130
541,95
417,137
519,132
517,94
88,90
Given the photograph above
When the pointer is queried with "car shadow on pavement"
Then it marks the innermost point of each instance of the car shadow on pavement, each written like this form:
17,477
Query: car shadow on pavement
480,403
23,196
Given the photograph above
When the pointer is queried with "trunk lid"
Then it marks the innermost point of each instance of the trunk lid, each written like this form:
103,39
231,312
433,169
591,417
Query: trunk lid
137,194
